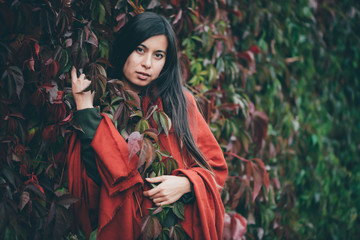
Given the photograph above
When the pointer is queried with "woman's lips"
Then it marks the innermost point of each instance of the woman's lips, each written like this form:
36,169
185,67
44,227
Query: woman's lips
142,75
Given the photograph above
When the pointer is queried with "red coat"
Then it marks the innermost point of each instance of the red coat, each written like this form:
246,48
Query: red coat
117,201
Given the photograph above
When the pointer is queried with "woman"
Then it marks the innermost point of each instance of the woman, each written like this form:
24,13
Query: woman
116,196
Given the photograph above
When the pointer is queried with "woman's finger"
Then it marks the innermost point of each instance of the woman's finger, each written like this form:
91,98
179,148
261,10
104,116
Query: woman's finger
152,192
159,194
73,74
161,201
156,179
82,77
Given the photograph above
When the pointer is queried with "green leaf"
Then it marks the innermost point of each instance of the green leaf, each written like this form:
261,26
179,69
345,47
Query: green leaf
13,76
142,126
171,165
66,200
178,210
93,235
165,122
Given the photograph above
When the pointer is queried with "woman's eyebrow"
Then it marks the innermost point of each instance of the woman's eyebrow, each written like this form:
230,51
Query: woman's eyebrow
162,51
144,46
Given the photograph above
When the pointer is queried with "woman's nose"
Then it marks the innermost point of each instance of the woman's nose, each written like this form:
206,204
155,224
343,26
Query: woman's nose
146,63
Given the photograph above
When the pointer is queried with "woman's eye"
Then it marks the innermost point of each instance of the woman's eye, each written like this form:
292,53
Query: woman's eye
159,55
140,50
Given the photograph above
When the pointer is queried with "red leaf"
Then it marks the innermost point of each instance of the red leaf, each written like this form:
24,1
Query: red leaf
18,115
37,48
147,153
47,86
50,133
19,150
234,226
57,112
175,3
244,185
135,97
230,106
118,111
121,18
134,143
238,226
249,57
257,178
24,199
256,169
150,111
219,48
38,98
264,173
255,49
178,17
260,126
31,64
50,69
90,36
150,228
12,125
35,188
23,169
152,133
157,210
227,227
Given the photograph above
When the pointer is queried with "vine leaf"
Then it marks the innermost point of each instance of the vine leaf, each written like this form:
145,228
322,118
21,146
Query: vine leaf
24,199
134,143
142,125
135,97
163,121
150,228
15,80
150,111
151,133
256,169
147,153
234,226
157,210
66,200
171,165
178,210
137,8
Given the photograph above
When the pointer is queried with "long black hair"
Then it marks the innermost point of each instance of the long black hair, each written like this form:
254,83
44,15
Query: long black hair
169,84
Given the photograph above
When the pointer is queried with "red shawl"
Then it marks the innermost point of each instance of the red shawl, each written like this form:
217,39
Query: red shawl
118,201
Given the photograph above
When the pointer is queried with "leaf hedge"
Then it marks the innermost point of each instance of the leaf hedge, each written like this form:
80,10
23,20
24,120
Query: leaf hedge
277,81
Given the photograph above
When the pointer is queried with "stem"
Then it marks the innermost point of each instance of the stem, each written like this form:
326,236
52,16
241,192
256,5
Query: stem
237,156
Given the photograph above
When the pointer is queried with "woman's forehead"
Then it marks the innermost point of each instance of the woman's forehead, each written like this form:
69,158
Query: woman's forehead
158,42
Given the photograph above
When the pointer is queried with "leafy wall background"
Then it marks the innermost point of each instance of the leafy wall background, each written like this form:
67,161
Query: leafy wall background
276,80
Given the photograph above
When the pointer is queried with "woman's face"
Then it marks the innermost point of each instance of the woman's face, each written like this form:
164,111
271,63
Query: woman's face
145,63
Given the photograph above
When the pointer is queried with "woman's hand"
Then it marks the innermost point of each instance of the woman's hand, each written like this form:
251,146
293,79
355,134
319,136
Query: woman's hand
82,99
170,189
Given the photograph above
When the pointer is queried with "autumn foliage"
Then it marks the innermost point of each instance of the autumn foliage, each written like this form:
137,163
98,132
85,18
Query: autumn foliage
275,81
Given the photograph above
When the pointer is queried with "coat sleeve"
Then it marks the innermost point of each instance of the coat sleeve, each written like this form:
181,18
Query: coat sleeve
204,218
89,120
117,171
